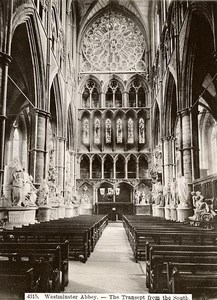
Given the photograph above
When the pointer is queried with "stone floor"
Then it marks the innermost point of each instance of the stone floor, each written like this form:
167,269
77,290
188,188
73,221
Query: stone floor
110,268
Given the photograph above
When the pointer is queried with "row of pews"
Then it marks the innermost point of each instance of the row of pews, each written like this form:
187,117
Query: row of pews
35,258
179,258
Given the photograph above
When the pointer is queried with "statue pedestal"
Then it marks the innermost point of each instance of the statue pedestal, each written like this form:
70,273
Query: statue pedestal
143,209
86,209
159,211
69,211
153,210
167,213
61,211
54,213
173,212
44,213
3,213
183,213
19,216
75,211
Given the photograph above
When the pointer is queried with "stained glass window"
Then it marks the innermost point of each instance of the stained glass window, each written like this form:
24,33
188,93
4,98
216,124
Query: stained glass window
86,137
113,42
119,131
141,131
108,130
130,138
97,131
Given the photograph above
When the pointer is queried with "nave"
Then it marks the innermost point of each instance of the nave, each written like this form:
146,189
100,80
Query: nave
111,268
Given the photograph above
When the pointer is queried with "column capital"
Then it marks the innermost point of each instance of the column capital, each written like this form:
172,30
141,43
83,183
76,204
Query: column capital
5,58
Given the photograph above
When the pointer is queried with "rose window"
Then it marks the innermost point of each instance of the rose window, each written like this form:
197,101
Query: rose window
113,42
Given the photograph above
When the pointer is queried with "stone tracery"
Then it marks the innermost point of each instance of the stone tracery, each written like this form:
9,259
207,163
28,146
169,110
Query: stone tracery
113,42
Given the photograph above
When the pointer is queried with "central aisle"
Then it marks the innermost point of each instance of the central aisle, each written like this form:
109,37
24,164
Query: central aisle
110,268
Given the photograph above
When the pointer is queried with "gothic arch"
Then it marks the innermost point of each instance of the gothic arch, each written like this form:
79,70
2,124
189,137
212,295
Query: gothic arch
56,107
199,24
170,106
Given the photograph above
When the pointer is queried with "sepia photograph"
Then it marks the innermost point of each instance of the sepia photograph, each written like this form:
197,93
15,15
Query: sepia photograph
108,149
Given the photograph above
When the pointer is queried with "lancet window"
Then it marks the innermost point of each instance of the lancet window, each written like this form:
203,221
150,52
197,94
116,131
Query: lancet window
136,94
141,131
90,96
97,131
108,131
130,131
119,131
114,94
86,134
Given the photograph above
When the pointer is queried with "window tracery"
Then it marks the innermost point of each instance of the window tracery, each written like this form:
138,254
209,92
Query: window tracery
113,42
90,96
114,94
136,94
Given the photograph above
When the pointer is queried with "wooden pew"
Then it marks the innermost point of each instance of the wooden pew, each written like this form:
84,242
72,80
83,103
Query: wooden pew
195,284
33,257
45,246
78,239
17,281
157,271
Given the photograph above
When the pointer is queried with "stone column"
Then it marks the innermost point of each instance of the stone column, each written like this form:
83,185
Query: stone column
102,168
38,151
4,63
186,144
90,167
137,168
102,97
114,168
125,98
126,168
61,161
168,162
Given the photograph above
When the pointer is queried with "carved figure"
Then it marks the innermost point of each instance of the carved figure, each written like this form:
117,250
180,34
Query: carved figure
43,193
173,187
167,194
137,196
31,197
17,185
183,192
202,211
143,199
159,200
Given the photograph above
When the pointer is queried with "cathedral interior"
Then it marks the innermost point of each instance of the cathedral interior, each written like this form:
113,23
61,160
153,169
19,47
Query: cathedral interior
108,131
109,97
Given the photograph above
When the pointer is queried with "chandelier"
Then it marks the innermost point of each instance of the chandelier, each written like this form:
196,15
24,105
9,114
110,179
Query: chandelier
109,191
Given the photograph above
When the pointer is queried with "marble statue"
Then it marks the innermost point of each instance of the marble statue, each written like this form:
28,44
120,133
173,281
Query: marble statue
202,211
174,187
43,194
167,194
159,200
17,185
31,196
183,192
